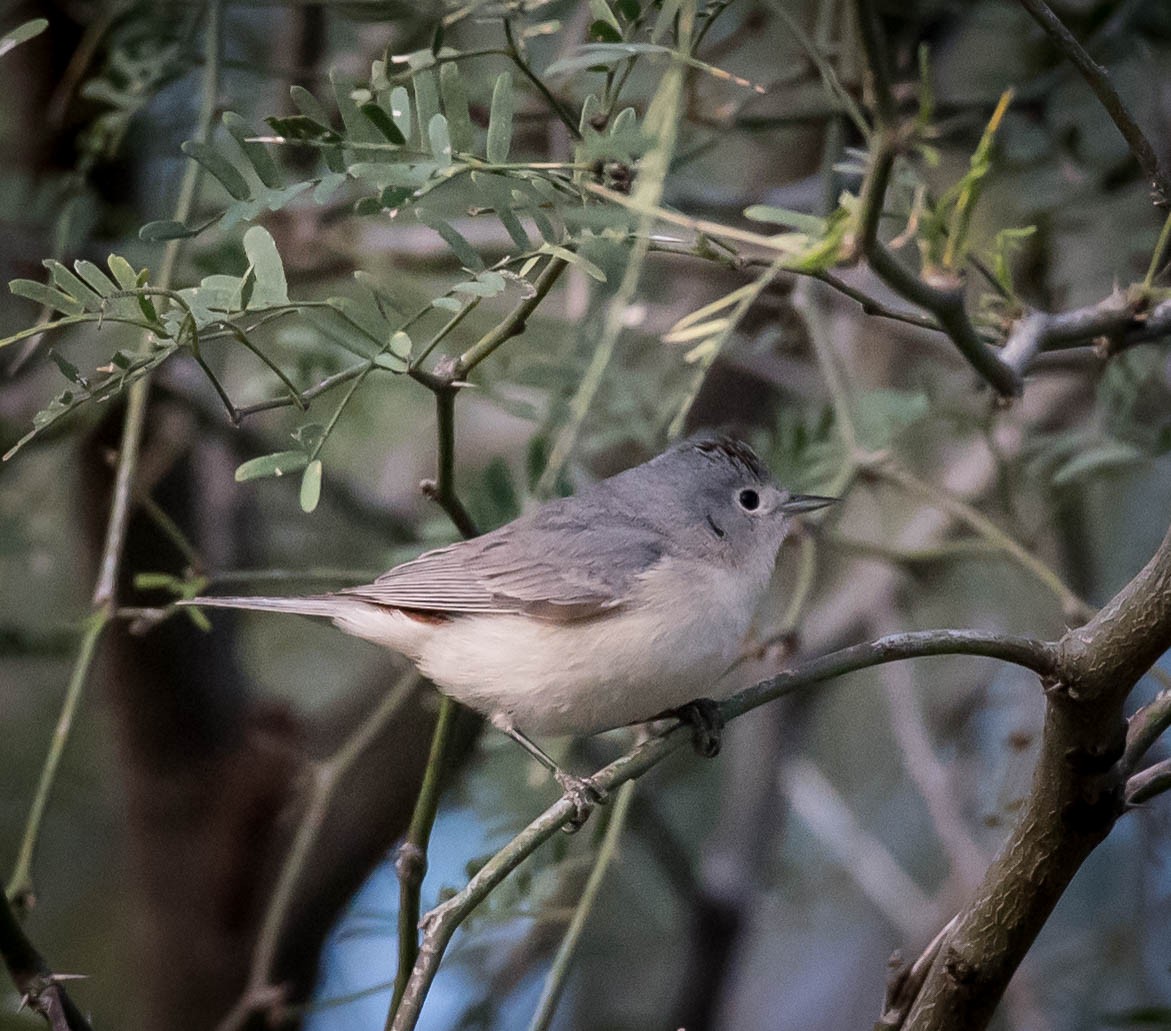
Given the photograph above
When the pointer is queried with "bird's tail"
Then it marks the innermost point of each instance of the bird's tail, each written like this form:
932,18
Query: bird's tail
326,605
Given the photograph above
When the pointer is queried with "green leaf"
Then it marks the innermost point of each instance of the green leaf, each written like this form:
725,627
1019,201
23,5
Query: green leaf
601,12
440,140
271,286
311,486
277,464
665,22
72,285
328,186
455,107
426,101
799,220
400,109
68,369
257,154
265,199
500,120
22,34
309,435
498,190
302,127
308,105
95,277
464,251
565,254
383,122
219,166
123,272
165,229
46,295
359,128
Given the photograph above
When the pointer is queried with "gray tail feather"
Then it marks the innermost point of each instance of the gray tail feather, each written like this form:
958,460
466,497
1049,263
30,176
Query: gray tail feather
309,605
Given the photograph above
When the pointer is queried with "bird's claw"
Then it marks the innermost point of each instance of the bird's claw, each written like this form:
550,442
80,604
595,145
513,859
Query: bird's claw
707,725
584,794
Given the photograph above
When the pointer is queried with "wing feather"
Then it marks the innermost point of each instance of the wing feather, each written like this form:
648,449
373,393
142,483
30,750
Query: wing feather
550,565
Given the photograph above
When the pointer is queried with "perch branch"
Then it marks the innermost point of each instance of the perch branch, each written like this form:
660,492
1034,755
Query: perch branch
440,923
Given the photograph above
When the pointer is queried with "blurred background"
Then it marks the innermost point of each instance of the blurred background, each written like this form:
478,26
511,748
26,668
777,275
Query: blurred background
765,889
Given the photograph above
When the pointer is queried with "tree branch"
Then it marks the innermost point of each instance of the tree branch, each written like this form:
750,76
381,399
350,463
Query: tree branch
440,923
40,988
946,303
1099,81
1119,321
1078,793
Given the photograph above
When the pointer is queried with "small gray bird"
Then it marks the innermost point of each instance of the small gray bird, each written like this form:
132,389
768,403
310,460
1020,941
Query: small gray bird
617,605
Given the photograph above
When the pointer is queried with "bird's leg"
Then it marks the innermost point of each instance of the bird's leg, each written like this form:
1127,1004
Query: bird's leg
581,790
707,725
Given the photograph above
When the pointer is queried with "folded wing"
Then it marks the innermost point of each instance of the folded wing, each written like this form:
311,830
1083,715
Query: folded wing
541,566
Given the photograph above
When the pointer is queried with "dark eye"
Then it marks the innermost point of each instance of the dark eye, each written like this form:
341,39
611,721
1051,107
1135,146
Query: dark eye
749,500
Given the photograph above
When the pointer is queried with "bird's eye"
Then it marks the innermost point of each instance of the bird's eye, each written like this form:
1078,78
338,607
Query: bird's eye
749,500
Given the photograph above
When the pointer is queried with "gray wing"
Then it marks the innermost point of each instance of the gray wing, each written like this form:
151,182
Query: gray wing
554,565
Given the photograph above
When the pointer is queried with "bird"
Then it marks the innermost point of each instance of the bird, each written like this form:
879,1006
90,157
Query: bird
614,606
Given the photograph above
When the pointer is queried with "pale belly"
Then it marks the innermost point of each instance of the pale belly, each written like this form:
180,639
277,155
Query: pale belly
590,675
668,646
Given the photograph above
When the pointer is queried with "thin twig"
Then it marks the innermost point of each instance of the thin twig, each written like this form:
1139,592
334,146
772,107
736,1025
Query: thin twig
20,887
1099,81
325,777
1152,781
514,324
1072,605
411,860
1118,322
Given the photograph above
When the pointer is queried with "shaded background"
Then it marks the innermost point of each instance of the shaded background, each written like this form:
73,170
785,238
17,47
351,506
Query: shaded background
763,890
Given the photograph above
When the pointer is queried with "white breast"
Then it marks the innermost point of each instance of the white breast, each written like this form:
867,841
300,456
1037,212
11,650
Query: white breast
664,648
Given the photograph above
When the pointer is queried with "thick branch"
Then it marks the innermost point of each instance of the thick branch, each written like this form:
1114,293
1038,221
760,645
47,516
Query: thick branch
1076,796
1119,320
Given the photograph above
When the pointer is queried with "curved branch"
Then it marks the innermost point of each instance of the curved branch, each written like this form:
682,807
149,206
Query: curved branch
440,923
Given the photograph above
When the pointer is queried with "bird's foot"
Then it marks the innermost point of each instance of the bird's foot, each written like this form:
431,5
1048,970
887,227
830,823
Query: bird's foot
707,725
584,794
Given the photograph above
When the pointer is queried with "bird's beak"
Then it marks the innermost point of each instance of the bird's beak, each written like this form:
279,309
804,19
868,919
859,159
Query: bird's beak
798,503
